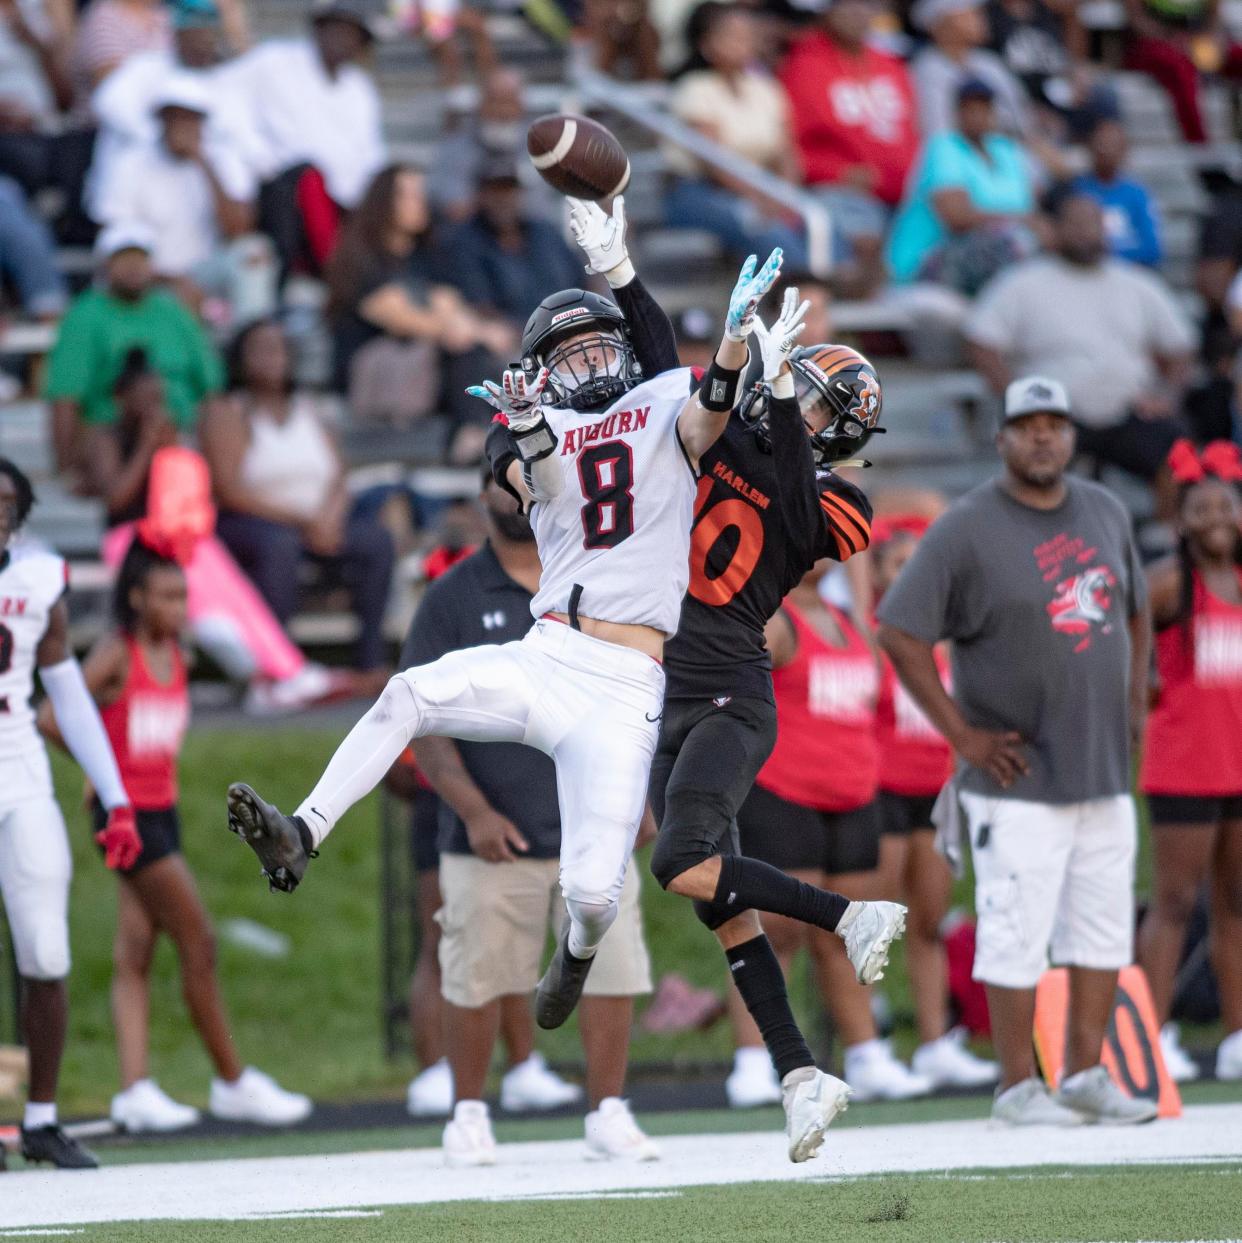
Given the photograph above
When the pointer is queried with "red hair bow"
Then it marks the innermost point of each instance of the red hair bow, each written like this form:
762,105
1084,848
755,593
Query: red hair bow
1220,459
885,528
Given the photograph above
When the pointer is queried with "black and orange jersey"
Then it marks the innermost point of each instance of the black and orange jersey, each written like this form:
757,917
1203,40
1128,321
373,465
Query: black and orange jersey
762,519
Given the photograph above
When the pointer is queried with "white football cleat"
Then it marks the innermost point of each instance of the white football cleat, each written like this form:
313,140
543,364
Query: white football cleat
531,1085
875,1074
948,1063
430,1094
1093,1094
145,1106
256,1097
812,1100
611,1132
1229,1057
1029,1103
752,1081
1180,1065
468,1138
868,929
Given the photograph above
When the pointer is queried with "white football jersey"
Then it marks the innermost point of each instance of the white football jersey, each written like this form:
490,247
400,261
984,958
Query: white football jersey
31,582
620,529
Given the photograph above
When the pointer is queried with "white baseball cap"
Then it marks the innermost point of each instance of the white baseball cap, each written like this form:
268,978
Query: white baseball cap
926,13
1035,394
127,235
183,90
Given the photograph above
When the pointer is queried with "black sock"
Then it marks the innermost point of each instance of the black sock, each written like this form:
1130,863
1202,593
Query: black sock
748,885
759,979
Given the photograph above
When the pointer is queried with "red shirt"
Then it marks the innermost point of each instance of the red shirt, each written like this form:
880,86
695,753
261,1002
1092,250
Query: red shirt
914,759
1194,733
826,755
145,726
849,110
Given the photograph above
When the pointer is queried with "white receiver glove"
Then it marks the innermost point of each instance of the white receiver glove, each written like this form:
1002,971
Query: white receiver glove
777,343
602,238
518,397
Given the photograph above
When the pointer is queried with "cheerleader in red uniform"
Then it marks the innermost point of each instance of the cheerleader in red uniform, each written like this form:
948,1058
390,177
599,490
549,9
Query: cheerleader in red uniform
915,762
1192,760
812,813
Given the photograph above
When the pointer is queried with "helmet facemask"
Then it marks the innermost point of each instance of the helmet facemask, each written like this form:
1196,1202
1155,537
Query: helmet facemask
591,370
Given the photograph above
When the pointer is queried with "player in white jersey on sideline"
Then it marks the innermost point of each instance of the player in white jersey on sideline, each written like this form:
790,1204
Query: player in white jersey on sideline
35,864
605,461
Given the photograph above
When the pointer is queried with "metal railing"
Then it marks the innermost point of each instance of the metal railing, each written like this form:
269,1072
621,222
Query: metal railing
594,89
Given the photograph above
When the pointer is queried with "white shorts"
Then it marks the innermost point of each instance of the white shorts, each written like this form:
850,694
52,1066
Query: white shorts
35,870
1051,878
495,921
594,707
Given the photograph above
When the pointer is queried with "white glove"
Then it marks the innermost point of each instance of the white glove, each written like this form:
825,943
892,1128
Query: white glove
602,238
518,397
777,343
748,293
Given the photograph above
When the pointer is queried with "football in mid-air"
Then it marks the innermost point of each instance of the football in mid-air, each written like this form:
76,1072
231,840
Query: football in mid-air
578,156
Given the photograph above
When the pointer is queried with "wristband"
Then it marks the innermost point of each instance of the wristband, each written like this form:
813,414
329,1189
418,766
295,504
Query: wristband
783,386
621,275
718,392
536,442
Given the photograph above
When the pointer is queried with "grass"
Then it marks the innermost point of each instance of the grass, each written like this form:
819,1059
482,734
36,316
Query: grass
313,1019
1136,1202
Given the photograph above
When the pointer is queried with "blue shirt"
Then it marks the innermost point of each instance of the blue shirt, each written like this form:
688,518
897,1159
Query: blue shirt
1129,218
999,181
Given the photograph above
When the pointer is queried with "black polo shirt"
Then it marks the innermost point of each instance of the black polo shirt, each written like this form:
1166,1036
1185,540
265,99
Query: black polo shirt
476,602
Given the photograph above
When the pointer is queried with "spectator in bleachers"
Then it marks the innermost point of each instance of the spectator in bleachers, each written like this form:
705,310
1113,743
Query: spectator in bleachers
1192,763
197,199
726,97
1108,330
316,119
109,32
819,821
504,262
854,122
103,324
1173,43
279,482
958,30
970,204
1130,219
1220,255
697,335
406,344
1213,409
619,35
28,256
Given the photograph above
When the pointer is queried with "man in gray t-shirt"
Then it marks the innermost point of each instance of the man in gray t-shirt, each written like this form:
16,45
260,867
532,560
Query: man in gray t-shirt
1035,579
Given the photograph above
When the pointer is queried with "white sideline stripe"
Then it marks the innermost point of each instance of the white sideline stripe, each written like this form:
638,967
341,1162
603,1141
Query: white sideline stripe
226,1190
569,131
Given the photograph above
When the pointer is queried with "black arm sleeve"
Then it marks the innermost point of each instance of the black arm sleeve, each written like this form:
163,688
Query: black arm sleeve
655,343
500,451
849,517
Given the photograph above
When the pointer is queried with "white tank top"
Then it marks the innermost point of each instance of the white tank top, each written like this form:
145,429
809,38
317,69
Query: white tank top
620,529
31,583
291,463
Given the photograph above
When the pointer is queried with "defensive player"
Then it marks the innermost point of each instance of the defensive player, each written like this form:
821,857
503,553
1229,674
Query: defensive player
35,864
607,468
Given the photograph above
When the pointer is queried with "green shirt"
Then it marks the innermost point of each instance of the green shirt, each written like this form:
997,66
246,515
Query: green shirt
99,330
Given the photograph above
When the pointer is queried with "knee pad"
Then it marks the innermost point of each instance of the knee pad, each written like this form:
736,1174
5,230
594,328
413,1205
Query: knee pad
712,915
400,702
695,823
594,918
42,953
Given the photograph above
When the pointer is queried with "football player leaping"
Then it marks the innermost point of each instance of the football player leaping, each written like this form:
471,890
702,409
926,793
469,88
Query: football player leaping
768,507
606,460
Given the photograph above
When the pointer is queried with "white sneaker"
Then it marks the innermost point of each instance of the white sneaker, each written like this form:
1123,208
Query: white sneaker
812,1100
612,1132
752,1081
1229,1057
1093,1094
468,1138
868,929
948,1063
145,1106
256,1097
1029,1103
1180,1065
430,1094
531,1085
874,1074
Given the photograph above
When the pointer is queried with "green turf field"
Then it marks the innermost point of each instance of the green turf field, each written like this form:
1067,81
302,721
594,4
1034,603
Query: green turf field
1140,1202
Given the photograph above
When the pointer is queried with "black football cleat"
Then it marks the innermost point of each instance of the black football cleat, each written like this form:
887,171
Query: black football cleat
281,842
50,1145
558,992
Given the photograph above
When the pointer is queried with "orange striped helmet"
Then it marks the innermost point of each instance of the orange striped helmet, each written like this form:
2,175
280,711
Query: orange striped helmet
840,397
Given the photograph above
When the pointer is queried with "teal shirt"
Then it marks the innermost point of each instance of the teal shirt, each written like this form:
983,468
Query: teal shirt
98,331
1001,182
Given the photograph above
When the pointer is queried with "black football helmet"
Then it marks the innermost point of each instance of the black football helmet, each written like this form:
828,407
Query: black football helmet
592,371
835,386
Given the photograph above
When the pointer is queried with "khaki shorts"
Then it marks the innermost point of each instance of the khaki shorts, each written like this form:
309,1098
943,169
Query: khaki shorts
496,918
